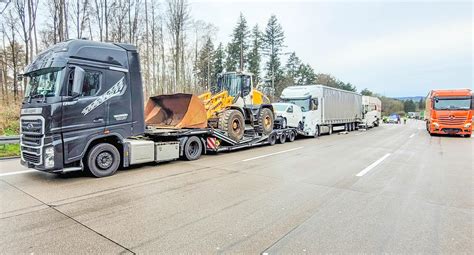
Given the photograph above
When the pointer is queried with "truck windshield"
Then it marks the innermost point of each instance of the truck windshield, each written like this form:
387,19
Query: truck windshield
304,104
45,83
452,104
280,107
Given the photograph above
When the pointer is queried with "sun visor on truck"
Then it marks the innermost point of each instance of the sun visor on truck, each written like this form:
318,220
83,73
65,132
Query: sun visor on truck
175,111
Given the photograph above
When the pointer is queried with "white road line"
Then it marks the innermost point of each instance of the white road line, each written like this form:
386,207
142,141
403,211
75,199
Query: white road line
367,169
271,154
18,172
412,135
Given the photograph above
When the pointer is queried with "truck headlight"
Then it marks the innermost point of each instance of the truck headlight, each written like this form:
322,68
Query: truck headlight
436,124
467,125
49,157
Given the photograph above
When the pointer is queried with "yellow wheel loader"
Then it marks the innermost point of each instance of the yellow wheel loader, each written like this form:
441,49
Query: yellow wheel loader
237,106
234,107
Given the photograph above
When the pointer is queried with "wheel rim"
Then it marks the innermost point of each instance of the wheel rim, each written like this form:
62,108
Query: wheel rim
267,122
236,126
193,149
104,160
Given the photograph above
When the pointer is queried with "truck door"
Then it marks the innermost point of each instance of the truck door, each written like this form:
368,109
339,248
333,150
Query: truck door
84,115
119,107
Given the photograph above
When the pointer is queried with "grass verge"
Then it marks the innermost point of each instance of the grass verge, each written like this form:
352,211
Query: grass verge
9,150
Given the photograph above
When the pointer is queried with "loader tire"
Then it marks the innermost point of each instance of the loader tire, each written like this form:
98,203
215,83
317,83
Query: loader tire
232,122
265,121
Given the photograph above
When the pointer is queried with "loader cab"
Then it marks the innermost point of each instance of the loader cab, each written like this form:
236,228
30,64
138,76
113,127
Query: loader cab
236,84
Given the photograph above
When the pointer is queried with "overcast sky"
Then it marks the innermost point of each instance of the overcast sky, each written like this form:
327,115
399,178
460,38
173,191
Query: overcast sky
394,48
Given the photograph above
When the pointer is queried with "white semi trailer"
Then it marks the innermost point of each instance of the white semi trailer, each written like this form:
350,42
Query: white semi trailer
372,109
325,109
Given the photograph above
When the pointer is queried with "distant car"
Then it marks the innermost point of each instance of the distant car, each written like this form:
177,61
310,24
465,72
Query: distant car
394,118
289,115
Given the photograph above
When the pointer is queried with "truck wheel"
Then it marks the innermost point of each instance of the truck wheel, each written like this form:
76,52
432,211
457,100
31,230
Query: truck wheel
103,160
316,132
232,122
291,136
272,139
192,148
265,121
283,123
282,138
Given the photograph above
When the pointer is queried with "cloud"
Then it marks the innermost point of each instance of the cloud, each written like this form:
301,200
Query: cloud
454,38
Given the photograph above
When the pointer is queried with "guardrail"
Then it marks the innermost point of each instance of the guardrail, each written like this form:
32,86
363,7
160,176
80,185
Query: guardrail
13,139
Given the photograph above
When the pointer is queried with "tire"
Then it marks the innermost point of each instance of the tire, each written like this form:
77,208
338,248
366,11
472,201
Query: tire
192,148
272,139
316,133
103,160
282,138
265,121
232,122
283,123
291,136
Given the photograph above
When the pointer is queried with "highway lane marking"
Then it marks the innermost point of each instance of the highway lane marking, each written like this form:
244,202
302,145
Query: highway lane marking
18,172
271,154
412,135
371,166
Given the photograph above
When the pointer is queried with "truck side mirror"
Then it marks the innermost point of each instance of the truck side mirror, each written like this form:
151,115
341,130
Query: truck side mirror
77,82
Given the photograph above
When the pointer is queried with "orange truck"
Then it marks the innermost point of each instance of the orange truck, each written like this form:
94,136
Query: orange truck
449,112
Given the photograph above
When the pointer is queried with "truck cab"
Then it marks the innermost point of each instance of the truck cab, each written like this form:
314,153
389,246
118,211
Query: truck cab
449,112
372,112
79,94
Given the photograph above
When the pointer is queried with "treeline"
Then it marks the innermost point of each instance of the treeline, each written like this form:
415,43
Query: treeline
392,105
178,53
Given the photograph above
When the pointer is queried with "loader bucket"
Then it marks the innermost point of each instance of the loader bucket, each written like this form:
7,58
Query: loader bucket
175,111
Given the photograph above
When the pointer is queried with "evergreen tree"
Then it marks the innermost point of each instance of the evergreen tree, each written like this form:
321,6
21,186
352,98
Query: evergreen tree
238,47
272,45
367,92
305,75
218,64
409,106
205,65
254,54
292,68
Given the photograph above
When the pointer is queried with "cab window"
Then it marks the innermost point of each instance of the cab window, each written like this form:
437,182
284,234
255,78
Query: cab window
315,103
90,85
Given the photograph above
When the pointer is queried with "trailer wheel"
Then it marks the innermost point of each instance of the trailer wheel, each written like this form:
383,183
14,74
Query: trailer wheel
291,136
282,138
232,122
192,148
103,160
272,139
265,121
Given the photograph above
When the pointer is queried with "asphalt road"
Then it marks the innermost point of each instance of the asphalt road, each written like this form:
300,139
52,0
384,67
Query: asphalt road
392,189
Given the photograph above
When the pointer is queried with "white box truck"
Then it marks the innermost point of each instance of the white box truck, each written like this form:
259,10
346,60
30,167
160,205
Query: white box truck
372,109
325,109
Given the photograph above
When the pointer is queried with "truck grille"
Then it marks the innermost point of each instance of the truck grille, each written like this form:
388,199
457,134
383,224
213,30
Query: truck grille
31,139
31,158
32,126
451,120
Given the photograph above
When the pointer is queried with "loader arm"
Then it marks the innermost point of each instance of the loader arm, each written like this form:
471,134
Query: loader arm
216,103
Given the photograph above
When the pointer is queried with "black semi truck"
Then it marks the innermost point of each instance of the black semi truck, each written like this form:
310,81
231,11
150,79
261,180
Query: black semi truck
84,110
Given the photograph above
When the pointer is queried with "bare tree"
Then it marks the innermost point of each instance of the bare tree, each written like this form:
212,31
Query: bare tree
177,17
